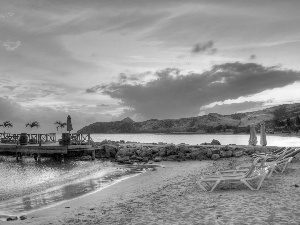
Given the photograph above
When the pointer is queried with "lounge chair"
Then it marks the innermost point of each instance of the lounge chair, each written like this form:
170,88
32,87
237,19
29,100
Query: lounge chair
275,153
278,166
292,153
255,163
212,181
273,157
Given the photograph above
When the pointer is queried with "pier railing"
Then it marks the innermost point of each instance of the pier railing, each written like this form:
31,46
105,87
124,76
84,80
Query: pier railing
80,139
75,139
32,138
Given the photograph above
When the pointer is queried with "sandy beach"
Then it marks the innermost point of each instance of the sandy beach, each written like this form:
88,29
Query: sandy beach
170,195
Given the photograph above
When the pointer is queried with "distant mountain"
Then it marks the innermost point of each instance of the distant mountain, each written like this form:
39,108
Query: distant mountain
213,122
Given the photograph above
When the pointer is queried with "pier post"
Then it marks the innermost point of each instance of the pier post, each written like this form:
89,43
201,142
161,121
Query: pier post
93,154
39,159
17,156
62,158
35,157
89,139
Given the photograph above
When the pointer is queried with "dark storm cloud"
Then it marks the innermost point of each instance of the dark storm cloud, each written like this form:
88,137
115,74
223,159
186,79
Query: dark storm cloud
175,95
252,57
227,109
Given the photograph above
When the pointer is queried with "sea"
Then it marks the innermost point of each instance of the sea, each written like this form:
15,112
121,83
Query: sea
26,186
194,139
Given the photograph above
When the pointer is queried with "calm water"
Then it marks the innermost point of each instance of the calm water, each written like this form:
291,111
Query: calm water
194,139
27,186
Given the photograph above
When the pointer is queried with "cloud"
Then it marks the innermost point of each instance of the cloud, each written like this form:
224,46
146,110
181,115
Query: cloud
46,116
11,45
174,95
103,105
252,57
227,109
204,48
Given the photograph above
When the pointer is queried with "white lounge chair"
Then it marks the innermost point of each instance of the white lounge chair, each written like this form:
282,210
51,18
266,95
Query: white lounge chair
209,183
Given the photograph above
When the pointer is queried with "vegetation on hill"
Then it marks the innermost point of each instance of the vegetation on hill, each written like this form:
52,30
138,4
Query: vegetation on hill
284,118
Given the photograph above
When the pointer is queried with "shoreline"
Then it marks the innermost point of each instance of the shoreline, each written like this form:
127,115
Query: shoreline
169,195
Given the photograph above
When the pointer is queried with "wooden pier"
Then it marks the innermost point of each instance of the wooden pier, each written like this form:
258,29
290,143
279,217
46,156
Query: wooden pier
46,144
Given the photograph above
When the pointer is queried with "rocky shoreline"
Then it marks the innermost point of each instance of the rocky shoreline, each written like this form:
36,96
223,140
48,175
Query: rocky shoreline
129,153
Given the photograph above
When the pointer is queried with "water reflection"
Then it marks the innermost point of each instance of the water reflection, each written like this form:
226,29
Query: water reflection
31,186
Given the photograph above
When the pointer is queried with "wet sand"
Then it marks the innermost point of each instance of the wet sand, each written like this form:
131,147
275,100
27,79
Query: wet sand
170,195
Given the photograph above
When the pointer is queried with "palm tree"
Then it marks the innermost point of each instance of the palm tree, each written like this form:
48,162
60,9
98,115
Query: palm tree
7,124
60,124
33,124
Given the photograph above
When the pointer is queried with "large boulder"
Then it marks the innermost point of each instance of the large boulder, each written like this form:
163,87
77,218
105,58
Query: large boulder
215,151
171,150
193,154
209,153
237,152
146,152
223,154
228,153
215,142
11,218
111,150
157,159
23,217
215,157
201,157
126,152
225,148
123,159
184,149
162,152
155,150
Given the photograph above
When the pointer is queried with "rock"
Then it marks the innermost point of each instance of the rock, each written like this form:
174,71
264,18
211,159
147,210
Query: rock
201,157
162,152
215,156
237,153
139,158
171,150
155,150
228,153
222,154
157,159
183,149
111,150
193,154
215,142
145,159
250,151
225,148
126,152
215,151
296,185
123,159
209,153
172,158
11,218
23,217
181,156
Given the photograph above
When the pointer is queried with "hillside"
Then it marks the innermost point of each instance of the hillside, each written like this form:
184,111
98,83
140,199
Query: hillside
213,122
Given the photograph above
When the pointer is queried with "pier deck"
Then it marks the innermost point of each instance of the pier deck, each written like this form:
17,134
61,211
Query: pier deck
51,148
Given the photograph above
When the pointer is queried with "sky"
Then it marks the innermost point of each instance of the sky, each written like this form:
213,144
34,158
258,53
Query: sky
100,60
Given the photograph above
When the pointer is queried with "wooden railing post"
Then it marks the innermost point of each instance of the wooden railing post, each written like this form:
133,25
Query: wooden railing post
89,139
